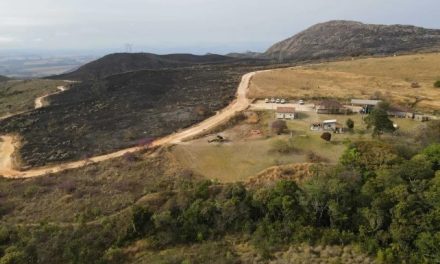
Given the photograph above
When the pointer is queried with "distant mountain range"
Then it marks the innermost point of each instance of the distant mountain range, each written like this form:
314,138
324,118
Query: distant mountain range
126,62
349,38
334,39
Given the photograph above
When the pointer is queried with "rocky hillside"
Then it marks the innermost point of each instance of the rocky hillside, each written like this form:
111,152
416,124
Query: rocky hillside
126,62
348,38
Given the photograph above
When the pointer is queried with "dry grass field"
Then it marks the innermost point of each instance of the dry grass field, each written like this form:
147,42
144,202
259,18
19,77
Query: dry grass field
242,157
390,78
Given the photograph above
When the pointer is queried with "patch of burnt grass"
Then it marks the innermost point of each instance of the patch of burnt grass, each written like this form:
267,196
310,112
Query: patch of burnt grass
102,116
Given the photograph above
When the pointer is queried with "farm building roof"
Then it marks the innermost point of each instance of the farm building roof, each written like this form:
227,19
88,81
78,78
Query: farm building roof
398,108
330,104
285,109
330,121
364,102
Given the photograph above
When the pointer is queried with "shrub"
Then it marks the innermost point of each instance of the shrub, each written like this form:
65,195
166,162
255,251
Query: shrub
279,126
130,157
114,255
350,124
67,186
415,85
437,84
283,146
312,157
326,136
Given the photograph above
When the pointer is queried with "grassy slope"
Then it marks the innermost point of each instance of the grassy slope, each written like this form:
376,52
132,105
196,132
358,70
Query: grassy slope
88,193
18,96
391,76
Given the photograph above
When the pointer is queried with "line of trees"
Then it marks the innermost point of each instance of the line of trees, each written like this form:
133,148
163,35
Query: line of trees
387,204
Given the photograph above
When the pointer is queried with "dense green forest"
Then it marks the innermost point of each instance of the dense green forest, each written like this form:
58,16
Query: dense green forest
383,197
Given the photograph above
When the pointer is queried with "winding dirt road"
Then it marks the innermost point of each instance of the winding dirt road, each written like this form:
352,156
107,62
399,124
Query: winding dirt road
39,100
239,104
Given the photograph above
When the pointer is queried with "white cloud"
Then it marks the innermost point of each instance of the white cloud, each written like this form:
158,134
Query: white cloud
6,40
216,25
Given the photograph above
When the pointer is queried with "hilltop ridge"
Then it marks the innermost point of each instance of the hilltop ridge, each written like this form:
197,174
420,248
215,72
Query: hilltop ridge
125,62
340,38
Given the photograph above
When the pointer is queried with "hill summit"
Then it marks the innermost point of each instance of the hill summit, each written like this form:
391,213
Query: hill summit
125,62
349,38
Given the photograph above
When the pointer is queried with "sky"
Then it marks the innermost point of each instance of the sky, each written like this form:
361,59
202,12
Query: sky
195,26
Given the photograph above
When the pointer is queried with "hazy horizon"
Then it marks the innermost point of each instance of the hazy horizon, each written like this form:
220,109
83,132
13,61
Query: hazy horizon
189,26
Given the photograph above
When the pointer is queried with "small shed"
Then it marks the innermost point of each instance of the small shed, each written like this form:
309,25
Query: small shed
367,105
365,102
400,112
286,113
329,124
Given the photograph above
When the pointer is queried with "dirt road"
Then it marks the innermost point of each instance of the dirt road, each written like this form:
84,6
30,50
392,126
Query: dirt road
239,104
39,101
6,150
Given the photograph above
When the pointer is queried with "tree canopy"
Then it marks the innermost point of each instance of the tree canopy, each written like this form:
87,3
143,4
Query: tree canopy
379,121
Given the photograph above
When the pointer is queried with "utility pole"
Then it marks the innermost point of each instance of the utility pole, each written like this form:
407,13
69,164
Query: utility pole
280,57
128,47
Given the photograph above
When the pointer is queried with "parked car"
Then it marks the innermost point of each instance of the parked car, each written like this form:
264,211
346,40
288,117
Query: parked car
283,101
301,102
266,100
272,100
278,101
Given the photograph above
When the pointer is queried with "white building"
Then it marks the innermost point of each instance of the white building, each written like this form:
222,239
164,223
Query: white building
364,102
286,113
327,125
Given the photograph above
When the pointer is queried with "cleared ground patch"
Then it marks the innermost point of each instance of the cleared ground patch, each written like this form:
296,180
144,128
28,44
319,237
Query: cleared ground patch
392,78
244,156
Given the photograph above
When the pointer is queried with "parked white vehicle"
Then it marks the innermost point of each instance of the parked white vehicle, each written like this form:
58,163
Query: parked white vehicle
278,101
283,101
301,102
272,100
266,100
